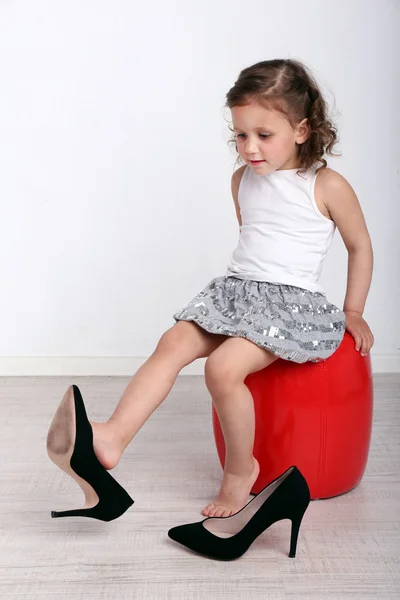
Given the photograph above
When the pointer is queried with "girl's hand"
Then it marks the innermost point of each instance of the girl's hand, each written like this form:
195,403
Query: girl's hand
360,331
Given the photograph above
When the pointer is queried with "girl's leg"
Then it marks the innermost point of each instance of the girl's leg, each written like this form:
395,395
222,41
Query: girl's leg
151,384
225,371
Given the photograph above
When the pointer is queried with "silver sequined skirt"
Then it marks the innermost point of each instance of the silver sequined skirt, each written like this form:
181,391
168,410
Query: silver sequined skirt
292,323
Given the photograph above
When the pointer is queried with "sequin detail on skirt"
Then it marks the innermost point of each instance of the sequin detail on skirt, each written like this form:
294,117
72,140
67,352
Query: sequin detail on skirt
291,322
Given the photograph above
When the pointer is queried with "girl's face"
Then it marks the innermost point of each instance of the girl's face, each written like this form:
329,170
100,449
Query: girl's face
265,139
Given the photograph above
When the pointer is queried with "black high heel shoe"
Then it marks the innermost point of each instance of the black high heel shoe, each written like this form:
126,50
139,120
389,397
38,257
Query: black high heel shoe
70,447
227,538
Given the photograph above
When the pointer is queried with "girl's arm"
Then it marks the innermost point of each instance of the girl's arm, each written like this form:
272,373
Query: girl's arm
344,209
235,182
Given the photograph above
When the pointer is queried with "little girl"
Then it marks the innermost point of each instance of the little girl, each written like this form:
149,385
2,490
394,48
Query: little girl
269,303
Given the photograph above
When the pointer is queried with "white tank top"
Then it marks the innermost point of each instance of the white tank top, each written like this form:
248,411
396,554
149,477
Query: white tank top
284,238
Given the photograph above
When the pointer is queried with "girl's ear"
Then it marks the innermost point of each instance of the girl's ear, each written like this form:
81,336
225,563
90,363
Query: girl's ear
303,131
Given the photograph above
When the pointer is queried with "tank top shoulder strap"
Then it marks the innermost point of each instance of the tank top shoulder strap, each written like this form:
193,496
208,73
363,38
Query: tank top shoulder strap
312,176
244,181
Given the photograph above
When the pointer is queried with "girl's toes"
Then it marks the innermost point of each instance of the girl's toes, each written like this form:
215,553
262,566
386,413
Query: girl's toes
206,510
227,512
213,510
220,511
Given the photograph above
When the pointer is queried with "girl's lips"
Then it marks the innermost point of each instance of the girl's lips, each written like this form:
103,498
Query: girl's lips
257,162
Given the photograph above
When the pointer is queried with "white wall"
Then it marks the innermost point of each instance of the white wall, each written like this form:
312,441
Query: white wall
115,172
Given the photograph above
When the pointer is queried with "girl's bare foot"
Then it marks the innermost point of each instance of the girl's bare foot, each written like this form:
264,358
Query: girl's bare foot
234,493
106,444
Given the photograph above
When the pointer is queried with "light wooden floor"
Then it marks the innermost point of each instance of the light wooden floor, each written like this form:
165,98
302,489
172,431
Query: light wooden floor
349,546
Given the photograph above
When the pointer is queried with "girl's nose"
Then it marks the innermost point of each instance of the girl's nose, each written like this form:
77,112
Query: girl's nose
250,147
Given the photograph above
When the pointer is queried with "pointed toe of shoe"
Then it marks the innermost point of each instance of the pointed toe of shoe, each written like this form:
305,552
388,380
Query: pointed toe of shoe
180,533
197,538
190,535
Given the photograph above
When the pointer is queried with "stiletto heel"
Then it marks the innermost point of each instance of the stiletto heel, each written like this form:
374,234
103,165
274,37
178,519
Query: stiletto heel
228,538
294,535
70,447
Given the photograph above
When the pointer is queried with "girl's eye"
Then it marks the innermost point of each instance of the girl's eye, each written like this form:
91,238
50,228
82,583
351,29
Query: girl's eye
262,135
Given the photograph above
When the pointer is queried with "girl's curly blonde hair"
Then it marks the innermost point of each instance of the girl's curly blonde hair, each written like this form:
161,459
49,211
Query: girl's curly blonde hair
288,86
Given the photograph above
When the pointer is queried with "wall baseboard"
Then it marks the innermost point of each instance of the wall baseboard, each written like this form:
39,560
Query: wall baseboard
53,366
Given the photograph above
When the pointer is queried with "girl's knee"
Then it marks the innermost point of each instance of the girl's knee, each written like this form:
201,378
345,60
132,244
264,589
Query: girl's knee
177,346
171,342
220,375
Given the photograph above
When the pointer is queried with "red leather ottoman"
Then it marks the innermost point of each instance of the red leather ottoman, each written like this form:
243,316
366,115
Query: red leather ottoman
317,416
